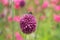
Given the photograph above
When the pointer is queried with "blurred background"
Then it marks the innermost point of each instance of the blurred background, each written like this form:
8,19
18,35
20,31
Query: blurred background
46,12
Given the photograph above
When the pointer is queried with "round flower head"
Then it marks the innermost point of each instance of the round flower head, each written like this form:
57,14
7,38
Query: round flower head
28,23
22,3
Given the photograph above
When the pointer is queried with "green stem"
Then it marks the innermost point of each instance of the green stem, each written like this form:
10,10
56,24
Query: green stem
28,37
13,13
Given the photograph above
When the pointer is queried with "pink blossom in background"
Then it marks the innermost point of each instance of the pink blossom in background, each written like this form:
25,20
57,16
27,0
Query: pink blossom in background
42,17
30,9
36,2
57,8
16,18
18,36
16,4
19,3
9,36
5,2
38,9
9,19
53,5
56,18
0,1
54,1
45,4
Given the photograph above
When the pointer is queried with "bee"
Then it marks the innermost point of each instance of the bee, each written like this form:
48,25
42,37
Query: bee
30,12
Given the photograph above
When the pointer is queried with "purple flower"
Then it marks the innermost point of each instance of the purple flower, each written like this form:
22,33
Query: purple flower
28,23
22,3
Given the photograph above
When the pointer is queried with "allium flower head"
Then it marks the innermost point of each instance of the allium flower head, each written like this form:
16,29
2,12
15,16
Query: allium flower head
22,3
28,23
